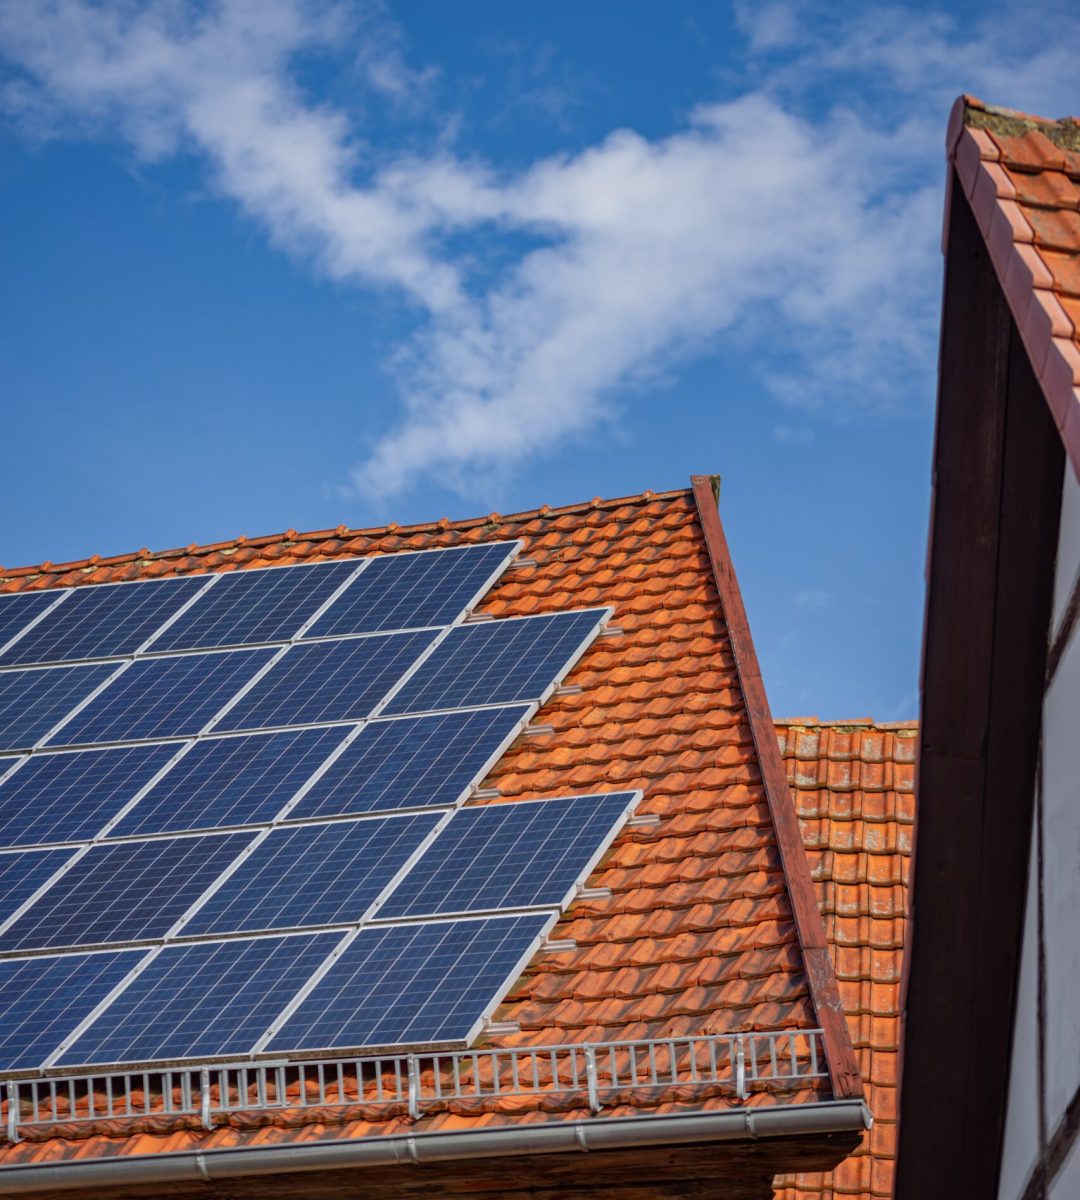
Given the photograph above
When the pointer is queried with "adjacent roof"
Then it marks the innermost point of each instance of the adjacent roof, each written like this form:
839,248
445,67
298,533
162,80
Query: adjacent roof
854,788
1021,175
710,925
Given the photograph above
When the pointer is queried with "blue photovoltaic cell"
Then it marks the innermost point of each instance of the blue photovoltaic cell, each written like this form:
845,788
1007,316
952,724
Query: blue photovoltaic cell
103,621
410,763
69,797
230,781
497,662
163,697
43,999
32,702
397,984
406,591
124,892
202,1000
508,856
327,681
22,873
256,606
313,875
20,608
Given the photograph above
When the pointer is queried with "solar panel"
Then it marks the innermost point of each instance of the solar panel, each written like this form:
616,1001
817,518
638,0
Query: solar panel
32,702
497,662
202,1000
401,984
509,856
256,606
124,892
162,697
23,872
331,755
313,875
242,780
18,609
411,762
103,621
69,797
44,998
407,591
327,681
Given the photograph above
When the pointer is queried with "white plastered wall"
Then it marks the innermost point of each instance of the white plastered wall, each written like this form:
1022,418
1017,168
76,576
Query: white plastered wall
1061,882
1061,907
1021,1146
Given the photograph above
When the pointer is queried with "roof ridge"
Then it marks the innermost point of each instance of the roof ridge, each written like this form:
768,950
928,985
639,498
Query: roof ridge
1064,132
291,535
851,723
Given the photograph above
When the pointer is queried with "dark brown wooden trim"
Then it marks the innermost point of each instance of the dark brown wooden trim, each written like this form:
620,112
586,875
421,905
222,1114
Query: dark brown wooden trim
843,1068
998,466
1063,1139
1069,619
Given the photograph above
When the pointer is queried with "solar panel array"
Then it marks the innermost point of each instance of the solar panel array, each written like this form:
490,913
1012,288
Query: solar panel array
232,810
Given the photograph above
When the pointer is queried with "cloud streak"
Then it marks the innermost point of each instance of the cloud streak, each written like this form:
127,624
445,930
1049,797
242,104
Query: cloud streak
804,238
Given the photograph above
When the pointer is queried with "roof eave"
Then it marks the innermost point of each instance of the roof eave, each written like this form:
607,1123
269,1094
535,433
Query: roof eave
560,1137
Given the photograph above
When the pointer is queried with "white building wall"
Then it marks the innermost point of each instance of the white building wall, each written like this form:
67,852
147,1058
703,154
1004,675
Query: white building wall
1066,1185
1021,1147
1068,547
1061,882
1060,891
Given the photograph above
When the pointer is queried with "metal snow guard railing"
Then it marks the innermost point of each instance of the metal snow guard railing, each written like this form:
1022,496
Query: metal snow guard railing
421,1082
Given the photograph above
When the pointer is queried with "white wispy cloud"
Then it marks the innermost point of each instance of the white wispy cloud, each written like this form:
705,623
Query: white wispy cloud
812,599
805,235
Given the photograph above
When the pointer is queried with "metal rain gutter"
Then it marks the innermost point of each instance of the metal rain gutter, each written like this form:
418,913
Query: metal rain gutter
600,1133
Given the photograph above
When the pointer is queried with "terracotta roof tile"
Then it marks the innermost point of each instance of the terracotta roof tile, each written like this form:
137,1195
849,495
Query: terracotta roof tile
1021,175
698,932
854,791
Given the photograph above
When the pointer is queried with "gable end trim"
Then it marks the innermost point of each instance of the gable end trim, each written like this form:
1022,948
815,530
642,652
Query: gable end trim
843,1069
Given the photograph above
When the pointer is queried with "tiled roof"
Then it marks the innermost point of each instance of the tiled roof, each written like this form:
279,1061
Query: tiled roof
698,933
854,787
1021,175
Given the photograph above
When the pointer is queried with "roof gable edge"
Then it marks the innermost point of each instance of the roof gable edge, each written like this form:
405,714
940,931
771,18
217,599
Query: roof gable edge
844,1073
1047,332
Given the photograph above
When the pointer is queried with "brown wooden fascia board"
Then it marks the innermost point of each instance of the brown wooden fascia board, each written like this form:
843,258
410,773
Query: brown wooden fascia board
843,1069
998,468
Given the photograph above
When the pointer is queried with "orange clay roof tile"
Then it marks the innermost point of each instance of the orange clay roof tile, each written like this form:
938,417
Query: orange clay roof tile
1021,175
698,933
863,897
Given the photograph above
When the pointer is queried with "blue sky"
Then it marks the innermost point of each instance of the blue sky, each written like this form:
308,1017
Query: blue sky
278,263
